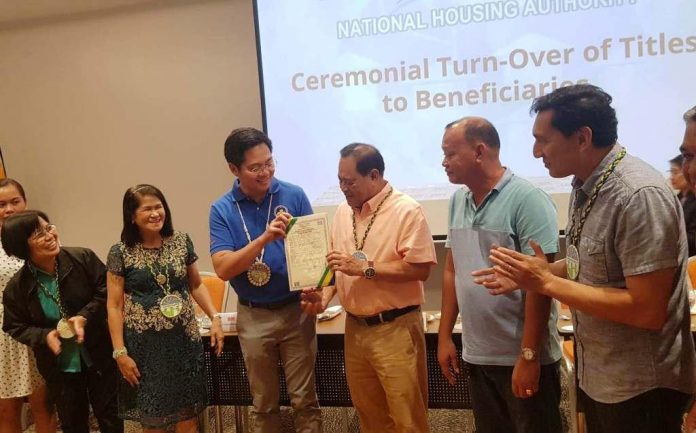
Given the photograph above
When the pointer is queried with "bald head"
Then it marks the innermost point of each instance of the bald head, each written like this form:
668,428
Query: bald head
475,130
471,146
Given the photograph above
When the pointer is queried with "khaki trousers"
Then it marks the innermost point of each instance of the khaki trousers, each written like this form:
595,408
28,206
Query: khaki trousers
387,374
289,335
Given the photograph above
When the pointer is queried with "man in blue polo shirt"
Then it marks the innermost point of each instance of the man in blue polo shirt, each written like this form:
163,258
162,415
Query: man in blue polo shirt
247,227
510,343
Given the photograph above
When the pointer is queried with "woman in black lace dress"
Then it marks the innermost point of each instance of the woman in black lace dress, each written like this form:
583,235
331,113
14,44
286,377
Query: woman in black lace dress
151,278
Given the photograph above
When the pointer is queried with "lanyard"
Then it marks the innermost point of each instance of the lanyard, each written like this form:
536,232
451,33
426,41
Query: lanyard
55,297
369,225
575,230
246,230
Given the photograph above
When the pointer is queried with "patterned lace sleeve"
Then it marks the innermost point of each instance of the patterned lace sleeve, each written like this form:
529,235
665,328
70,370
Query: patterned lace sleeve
114,262
191,255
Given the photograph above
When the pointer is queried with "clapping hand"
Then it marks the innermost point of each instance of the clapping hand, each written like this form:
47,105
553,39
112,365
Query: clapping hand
513,270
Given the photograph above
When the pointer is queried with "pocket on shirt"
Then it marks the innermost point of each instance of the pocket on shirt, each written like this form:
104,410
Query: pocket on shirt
593,261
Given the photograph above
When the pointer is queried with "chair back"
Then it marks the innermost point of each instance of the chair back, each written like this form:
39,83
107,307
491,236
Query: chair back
691,272
217,289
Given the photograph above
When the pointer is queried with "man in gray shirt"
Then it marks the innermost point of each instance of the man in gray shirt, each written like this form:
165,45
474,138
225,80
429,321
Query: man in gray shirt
624,271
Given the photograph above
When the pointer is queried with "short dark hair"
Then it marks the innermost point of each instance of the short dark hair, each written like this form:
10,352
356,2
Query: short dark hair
11,182
677,160
242,139
690,115
581,105
130,235
17,229
367,157
478,129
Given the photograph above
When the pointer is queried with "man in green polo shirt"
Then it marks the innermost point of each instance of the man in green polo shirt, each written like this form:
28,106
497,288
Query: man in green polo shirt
509,344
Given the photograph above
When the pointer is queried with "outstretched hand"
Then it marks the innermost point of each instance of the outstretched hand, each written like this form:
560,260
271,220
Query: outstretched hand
513,270
528,272
496,284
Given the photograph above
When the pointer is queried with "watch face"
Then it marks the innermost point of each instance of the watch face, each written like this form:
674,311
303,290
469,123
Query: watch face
528,354
369,273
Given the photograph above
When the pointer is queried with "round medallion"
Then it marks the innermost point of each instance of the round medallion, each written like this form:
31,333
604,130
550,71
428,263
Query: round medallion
171,306
280,208
65,329
161,279
359,255
572,262
259,274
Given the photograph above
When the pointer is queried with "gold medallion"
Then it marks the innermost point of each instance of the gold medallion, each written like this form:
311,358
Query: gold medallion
572,262
171,306
359,255
65,329
259,274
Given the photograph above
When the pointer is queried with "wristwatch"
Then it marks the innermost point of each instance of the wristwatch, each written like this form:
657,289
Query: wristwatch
369,271
119,352
528,354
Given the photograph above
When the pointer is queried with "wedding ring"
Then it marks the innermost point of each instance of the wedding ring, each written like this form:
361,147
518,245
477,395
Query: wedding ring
529,392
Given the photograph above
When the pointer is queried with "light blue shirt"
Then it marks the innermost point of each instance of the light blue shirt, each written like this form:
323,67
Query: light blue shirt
511,215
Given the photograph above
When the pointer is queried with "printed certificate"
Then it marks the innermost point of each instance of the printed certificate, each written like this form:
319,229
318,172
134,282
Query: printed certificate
306,247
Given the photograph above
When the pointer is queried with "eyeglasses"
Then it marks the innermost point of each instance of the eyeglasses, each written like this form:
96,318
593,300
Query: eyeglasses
258,168
347,183
42,233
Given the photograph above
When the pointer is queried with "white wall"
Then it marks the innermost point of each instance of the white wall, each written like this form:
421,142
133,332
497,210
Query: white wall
93,103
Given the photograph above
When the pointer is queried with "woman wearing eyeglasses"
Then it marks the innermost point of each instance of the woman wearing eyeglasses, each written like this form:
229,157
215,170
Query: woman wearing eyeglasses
55,304
19,376
152,277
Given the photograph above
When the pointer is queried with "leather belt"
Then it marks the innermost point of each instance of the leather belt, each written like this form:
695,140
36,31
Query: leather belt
384,316
269,305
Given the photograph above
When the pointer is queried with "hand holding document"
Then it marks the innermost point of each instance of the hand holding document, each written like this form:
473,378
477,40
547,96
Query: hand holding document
306,247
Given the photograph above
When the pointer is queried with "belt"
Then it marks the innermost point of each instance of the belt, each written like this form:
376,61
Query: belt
384,316
269,305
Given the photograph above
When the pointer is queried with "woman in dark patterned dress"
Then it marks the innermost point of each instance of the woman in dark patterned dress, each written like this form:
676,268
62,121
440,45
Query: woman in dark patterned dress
151,278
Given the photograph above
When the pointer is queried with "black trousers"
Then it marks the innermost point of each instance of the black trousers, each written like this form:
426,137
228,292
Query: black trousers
74,392
659,410
497,410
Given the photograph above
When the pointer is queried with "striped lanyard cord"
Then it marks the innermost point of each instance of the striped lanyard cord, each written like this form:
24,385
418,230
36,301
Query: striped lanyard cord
246,230
576,226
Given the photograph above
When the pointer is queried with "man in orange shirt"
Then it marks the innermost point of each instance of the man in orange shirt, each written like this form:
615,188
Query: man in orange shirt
382,253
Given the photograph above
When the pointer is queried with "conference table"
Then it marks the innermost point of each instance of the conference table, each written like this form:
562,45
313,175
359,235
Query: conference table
228,385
